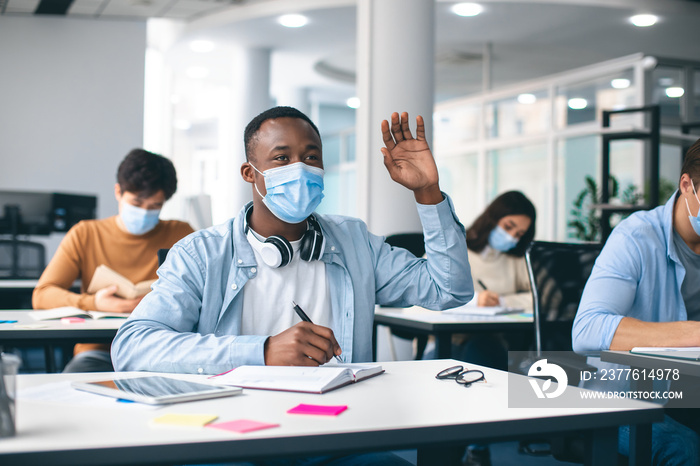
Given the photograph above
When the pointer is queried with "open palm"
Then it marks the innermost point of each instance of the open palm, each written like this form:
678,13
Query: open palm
408,159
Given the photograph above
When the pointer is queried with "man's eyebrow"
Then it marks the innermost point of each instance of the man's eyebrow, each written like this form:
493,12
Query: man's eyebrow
308,147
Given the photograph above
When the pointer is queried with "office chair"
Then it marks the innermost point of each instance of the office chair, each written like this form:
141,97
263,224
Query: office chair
21,259
415,244
558,273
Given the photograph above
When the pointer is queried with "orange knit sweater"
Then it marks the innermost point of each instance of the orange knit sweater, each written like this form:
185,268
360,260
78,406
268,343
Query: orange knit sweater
91,243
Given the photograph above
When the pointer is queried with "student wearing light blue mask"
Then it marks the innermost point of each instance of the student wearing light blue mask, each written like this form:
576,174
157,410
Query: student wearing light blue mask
643,291
127,243
224,297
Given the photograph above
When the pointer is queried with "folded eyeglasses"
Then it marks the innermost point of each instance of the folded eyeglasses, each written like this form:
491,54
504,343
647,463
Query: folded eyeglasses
461,375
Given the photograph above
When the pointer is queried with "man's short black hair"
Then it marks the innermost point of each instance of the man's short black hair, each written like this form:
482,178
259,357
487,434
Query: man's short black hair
146,173
271,114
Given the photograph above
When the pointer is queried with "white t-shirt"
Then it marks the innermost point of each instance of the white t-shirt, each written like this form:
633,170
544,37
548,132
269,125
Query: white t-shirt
267,297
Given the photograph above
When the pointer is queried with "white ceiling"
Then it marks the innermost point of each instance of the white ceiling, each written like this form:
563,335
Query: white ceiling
528,39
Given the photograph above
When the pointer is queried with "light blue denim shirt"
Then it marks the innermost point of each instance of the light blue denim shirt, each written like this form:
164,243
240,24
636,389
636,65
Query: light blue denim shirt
638,274
191,321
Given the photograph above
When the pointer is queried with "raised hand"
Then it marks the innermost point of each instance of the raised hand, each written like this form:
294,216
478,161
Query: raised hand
409,160
304,344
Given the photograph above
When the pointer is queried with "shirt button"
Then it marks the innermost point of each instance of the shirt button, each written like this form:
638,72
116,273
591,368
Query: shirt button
234,287
200,370
253,270
240,261
332,248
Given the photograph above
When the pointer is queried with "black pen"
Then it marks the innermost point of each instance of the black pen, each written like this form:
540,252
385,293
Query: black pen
302,315
482,284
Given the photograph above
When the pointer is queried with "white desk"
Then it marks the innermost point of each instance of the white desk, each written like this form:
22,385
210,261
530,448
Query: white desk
405,408
49,333
444,325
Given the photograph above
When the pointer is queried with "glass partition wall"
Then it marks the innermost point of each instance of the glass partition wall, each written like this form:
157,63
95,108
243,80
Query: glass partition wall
543,138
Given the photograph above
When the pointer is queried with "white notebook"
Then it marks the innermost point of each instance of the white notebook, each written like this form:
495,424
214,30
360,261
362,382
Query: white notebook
68,311
298,378
687,352
483,310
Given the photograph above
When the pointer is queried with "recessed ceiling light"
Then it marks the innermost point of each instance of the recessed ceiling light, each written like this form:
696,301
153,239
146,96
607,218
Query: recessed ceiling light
353,102
197,72
642,21
201,46
467,9
577,103
293,21
620,83
675,92
527,99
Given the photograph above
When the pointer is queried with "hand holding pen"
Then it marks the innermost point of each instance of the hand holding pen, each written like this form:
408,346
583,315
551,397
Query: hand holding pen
303,344
302,315
487,298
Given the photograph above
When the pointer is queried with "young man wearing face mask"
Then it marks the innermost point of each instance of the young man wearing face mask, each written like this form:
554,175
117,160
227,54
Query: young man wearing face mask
643,291
127,243
224,297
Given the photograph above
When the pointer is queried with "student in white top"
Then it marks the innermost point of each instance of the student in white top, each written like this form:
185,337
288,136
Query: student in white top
497,241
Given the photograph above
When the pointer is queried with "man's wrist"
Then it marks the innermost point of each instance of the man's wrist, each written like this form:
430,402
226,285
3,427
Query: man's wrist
430,195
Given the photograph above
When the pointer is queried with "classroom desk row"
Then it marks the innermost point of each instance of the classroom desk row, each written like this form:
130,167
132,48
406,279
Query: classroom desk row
404,408
27,332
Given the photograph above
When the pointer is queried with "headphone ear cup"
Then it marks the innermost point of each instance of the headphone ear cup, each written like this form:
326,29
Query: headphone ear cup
276,251
312,245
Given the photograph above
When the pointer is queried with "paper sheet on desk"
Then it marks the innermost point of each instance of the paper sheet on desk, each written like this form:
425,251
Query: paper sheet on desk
483,310
63,393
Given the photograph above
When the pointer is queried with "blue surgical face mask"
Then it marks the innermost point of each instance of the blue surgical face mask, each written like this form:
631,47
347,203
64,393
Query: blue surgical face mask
138,221
501,240
694,220
293,191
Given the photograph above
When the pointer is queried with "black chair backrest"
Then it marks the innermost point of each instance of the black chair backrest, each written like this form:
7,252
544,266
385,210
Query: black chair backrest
21,259
413,242
162,254
558,273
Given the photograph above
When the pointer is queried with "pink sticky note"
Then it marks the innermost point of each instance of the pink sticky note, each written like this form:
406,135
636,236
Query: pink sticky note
242,425
72,320
322,410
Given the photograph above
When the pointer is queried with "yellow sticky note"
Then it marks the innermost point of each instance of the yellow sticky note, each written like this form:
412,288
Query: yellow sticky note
188,420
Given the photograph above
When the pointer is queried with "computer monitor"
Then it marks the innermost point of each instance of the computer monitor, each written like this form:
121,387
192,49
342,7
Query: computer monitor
36,213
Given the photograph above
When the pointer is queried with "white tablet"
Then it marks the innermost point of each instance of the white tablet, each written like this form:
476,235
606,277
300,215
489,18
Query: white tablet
155,390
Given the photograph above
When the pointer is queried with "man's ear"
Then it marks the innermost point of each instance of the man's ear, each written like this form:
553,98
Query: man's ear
247,173
117,192
685,185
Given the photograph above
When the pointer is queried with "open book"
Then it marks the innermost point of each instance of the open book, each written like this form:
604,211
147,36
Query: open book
104,277
68,311
298,378
470,309
689,352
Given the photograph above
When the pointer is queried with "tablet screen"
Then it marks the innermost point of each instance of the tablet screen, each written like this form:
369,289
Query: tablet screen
155,389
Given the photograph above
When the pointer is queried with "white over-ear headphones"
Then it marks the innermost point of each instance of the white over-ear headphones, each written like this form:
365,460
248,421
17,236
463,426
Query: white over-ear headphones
276,251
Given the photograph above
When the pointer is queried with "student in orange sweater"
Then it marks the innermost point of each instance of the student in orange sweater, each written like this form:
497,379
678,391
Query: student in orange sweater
127,243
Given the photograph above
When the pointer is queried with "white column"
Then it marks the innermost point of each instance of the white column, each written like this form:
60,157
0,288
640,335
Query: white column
297,97
250,95
395,68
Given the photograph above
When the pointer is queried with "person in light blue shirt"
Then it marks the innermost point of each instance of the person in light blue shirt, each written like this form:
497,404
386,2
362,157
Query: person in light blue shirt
643,291
193,321
224,295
